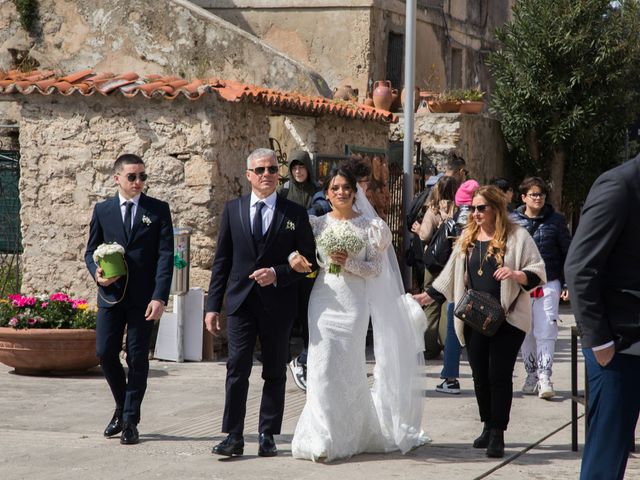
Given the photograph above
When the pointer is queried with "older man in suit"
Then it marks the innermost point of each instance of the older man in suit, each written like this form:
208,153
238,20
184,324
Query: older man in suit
257,234
142,225
602,270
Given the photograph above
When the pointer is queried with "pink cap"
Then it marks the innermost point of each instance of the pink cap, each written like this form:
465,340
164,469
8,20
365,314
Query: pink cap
465,192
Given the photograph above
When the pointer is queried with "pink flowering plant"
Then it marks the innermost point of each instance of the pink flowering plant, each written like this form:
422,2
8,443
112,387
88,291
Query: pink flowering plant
57,310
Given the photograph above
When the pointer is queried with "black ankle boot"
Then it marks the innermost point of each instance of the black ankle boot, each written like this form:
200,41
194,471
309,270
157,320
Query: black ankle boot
495,449
483,440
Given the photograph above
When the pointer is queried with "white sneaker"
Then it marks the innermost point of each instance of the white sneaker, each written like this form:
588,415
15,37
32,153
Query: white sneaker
530,386
299,373
545,389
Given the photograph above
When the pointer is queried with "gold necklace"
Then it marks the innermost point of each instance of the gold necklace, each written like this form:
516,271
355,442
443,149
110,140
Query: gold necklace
482,259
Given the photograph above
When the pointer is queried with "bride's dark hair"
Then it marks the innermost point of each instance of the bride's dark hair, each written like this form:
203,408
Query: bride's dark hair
340,172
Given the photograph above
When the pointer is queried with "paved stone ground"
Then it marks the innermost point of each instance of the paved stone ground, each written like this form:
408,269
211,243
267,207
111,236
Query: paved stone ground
51,428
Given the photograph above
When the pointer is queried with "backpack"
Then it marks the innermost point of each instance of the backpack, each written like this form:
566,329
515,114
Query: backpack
440,246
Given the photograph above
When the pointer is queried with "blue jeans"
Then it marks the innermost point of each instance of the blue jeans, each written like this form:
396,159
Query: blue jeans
614,404
451,364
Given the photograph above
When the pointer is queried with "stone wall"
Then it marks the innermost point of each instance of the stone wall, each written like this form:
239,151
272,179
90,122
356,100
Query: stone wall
476,138
195,155
316,135
172,37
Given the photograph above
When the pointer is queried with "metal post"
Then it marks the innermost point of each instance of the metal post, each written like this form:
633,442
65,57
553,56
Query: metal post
409,94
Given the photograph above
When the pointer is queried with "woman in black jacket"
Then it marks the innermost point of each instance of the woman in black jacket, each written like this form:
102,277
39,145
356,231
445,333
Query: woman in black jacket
549,230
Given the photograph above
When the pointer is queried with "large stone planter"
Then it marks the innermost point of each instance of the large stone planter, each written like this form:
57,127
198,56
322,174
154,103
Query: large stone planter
41,350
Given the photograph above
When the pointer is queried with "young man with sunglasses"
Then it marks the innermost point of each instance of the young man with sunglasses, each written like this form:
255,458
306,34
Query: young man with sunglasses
142,225
549,230
257,233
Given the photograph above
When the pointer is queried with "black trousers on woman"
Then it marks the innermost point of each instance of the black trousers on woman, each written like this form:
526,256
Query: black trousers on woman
492,360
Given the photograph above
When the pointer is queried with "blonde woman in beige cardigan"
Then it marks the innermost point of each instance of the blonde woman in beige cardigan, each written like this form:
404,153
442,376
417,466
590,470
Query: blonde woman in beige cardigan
502,260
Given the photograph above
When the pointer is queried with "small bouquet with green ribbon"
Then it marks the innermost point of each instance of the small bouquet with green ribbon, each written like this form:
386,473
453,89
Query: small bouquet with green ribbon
339,237
110,258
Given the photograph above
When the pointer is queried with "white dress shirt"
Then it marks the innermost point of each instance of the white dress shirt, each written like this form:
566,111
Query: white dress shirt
123,207
267,210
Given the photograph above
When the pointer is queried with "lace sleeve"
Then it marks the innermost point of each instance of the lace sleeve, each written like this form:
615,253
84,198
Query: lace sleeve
378,238
371,266
316,224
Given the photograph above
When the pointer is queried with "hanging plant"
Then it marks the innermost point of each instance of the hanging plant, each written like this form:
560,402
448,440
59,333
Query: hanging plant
28,11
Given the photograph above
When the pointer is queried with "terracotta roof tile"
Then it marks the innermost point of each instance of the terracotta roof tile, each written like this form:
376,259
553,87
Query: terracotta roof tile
129,84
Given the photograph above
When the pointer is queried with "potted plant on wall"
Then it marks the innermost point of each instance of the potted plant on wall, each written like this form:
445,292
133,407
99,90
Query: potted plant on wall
471,101
47,333
445,102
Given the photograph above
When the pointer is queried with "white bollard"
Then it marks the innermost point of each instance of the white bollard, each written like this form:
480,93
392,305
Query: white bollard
180,331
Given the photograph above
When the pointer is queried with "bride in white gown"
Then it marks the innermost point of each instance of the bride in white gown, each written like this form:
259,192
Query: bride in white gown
343,416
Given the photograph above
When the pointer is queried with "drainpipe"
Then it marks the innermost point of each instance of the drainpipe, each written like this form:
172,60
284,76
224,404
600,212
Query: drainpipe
409,94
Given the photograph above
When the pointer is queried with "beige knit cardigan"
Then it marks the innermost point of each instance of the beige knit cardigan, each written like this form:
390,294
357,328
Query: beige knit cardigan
521,254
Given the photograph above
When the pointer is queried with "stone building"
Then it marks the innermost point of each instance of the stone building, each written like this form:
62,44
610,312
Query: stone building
356,42
130,35
194,137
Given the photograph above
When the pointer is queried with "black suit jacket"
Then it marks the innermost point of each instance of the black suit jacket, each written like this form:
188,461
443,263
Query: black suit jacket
236,256
148,253
602,268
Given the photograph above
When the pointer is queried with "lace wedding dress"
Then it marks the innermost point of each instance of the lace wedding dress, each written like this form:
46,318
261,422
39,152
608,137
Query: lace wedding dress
343,416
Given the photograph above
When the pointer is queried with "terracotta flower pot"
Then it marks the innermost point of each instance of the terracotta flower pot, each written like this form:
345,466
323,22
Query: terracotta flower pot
368,101
416,99
443,107
468,106
382,95
345,92
395,100
43,350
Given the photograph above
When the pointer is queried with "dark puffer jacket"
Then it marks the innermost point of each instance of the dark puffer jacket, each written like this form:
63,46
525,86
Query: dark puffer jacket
550,232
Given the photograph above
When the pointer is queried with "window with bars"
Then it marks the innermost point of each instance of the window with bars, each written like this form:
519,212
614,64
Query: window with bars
395,55
10,236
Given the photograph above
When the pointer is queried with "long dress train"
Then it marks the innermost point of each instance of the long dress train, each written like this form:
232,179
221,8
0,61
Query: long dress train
342,415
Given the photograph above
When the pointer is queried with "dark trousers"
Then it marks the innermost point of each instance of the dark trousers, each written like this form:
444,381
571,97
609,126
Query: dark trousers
128,390
304,292
250,322
492,360
614,404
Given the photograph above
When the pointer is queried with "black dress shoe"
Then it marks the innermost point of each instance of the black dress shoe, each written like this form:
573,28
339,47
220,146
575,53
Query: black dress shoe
483,440
115,426
495,449
267,446
230,446
130,434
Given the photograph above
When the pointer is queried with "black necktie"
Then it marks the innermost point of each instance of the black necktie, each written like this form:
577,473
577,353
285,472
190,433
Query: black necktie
127,219
257,224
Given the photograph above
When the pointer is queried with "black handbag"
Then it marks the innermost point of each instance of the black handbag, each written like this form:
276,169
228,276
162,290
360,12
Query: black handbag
481,310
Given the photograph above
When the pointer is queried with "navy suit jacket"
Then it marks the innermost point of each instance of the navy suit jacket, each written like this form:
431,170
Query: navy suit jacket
236,256
148,253
603,264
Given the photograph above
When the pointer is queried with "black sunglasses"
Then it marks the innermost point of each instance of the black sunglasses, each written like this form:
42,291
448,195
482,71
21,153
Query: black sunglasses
272,169
141,176
479,208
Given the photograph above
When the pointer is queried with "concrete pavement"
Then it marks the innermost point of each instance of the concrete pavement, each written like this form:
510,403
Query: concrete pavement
51,428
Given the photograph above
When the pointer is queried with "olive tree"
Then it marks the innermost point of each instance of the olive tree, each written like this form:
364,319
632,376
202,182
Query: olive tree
566,75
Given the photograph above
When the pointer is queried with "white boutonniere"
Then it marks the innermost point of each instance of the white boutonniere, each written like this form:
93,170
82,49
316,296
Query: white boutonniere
290,225
146,220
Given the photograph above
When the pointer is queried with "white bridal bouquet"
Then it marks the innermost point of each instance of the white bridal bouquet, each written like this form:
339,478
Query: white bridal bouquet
110,258
339,236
